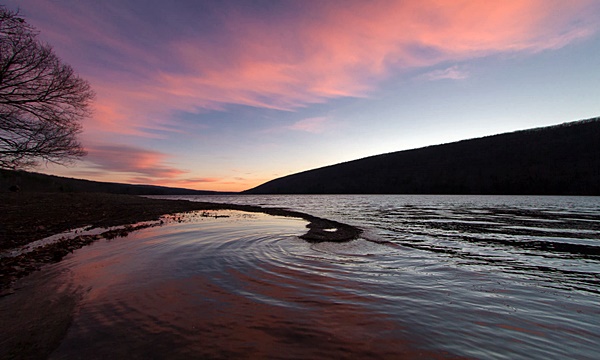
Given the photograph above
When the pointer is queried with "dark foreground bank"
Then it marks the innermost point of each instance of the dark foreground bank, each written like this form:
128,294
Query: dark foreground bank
27,217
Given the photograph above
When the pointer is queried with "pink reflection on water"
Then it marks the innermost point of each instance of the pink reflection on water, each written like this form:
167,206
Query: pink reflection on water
217,288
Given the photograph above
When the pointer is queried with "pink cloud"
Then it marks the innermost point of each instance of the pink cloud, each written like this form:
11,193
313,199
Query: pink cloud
131,160
193,183
331,50
350,48
135,165
312,125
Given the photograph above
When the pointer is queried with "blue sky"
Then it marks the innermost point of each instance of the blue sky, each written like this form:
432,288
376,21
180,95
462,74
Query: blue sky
225,95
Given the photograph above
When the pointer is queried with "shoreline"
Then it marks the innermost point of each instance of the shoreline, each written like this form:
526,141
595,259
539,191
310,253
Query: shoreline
29,217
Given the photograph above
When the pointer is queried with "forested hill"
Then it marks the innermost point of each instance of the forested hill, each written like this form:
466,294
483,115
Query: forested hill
556,160
35,182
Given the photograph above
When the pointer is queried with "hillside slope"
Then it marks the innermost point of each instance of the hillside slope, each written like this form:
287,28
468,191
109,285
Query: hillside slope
556,160
35,182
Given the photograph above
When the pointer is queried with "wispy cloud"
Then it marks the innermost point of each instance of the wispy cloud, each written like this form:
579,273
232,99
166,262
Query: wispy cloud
451,73
145,71
192,183
313,125
136,165
131,160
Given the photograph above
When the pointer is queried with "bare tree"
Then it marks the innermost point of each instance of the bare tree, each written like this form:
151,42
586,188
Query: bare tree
42,100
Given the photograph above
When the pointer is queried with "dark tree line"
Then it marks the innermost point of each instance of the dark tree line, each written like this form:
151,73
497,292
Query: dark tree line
42,100
40,183
557,160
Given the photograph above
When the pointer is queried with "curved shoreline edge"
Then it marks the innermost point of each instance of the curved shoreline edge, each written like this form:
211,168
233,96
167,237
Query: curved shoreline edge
27,218
319,229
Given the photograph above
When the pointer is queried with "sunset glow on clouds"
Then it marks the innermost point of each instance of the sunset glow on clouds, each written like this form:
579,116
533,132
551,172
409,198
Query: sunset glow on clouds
343,52
150,164
154,65
141,166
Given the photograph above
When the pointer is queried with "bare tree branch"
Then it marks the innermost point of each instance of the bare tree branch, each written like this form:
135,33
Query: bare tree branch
42,100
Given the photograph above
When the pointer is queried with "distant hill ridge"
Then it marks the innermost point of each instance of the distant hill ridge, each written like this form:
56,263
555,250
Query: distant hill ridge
556,160
35,182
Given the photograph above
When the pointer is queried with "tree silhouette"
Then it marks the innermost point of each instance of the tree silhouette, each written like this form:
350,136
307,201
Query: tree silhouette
42,100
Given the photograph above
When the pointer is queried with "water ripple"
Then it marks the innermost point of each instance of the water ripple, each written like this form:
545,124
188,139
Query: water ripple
416,285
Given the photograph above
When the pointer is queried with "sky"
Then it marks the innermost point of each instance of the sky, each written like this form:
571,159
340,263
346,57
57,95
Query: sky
226,95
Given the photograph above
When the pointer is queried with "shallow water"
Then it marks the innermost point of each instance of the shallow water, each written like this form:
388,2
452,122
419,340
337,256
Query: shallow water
475,276
244,286
433,277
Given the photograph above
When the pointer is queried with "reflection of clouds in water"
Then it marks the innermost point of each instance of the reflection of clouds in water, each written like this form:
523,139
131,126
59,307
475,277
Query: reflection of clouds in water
246,285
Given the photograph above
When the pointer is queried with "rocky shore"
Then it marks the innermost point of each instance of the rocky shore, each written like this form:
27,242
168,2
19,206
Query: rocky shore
27,217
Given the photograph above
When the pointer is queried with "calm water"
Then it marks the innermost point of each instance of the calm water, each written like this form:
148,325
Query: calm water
433,277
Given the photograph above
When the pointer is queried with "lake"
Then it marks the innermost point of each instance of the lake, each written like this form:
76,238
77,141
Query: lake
486,277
